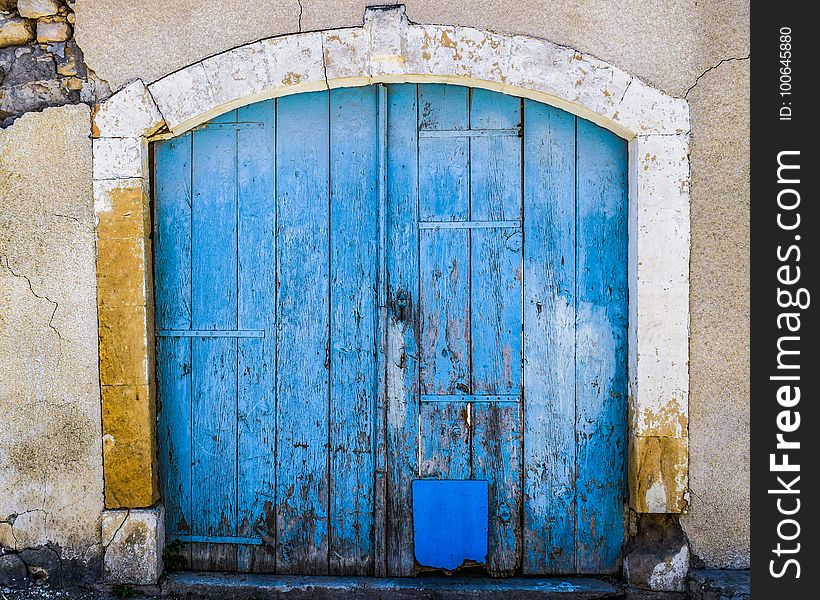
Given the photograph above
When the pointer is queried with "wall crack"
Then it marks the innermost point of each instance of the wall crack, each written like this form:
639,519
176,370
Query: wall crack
712,68
4,260
119,528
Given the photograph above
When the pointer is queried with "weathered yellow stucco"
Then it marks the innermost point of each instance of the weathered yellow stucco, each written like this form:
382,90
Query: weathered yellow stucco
124,312
657,465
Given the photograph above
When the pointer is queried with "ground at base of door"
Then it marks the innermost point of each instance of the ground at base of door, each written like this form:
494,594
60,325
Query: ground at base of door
703,585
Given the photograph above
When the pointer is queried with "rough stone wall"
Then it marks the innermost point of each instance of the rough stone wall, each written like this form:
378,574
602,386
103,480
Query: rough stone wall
40,62
687,48
50,446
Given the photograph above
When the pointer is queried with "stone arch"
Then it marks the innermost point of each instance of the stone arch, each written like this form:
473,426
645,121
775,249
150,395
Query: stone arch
388,48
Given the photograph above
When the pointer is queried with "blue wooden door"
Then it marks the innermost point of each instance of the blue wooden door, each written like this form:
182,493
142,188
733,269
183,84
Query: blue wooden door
361,290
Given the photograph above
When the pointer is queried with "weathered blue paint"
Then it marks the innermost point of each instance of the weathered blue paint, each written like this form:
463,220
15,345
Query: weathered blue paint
450,519
402,327
203,333
303,328
515,398
172,285
354,240
359,288
380,418
496,318
214,365
549,340
256,358
248,587
600,347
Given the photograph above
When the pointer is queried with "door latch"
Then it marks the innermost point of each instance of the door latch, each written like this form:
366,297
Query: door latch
401,308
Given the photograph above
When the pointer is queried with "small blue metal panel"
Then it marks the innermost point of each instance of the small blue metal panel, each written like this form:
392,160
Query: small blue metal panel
449,522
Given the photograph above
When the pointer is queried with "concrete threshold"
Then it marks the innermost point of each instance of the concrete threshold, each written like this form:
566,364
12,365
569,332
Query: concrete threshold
253,586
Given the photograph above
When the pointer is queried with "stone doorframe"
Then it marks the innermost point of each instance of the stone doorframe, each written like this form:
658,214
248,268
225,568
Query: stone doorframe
386,49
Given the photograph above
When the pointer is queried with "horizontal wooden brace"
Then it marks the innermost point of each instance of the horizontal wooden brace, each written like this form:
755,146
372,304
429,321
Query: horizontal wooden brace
217,539
470,397
228,333
230,126
469,224
459,133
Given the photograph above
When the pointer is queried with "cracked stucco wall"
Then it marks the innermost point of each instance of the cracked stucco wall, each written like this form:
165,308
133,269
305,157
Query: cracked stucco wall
685,47
50,450
718,524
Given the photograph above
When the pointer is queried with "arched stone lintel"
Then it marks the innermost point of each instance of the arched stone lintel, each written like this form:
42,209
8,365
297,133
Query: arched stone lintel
390,49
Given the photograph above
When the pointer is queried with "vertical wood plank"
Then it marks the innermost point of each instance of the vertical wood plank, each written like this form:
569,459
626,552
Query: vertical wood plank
172,276
380,507
444,176
495,161
444,287
496,430
445,440
549,340
214,359
354,238
256,424
302,169
402,343
601,353
496,315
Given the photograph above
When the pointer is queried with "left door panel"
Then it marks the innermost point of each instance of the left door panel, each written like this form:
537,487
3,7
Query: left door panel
265,271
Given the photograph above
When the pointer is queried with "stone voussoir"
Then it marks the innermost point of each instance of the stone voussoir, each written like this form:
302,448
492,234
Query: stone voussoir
118,158
388,48
130,113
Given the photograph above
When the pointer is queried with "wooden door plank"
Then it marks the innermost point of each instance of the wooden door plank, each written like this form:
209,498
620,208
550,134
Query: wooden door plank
549,340
256,425
444,177
354,239
444,279
445,440
214,359
402,345
444,286
496,431
496,357
601,352
172,276
380,502
302,170
496,314
444,262
495,161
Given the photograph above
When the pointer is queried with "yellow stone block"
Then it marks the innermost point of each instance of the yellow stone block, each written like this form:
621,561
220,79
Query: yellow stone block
129,446
123,346
122,209
658,474
121,272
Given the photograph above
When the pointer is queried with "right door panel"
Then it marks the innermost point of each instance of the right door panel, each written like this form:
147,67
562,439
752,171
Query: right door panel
506,332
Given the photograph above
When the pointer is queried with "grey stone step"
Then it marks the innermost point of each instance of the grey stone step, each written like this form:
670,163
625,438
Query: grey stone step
247,586
719,585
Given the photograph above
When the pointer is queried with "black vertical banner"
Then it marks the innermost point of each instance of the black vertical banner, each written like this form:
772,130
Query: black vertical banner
785,228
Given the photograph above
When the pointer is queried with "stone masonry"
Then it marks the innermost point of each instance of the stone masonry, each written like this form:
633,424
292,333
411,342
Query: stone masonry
41,64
